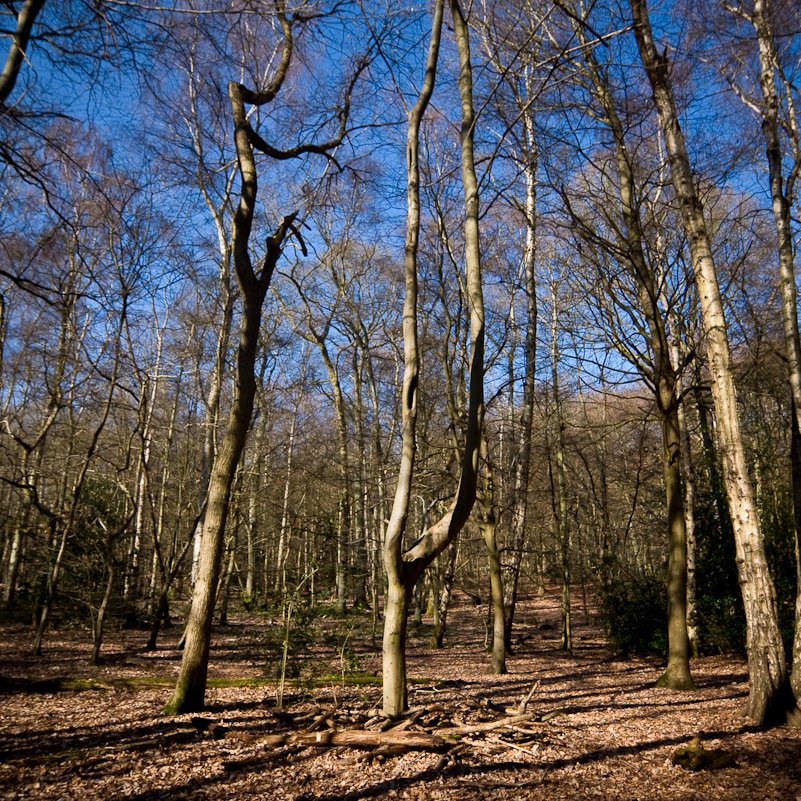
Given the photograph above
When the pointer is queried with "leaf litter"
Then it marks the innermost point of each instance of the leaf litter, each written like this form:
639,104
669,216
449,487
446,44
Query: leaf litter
591,725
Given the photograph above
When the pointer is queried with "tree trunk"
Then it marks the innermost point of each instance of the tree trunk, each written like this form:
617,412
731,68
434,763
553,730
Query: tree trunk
663,379
782,207
795,675
522,462
280,569
689,503
190,688
97,642
443,598
12,573
677,674
403,569
770,698
487,523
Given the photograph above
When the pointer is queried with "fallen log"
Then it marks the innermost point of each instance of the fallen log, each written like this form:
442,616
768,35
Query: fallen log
358,738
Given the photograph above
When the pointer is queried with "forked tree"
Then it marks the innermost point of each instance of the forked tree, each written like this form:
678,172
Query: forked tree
404,568
253,284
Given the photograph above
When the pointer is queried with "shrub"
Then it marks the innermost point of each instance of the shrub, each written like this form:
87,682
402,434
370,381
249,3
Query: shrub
634,611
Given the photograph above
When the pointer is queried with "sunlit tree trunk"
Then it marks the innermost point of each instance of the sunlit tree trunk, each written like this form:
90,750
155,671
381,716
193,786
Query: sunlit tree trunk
770,697
403,569
191,685
398,582
662,376
522,459
781,196
190,688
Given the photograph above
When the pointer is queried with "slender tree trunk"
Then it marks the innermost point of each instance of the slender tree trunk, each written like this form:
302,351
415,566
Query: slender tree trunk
396,600
522,462
226,585
487,523
403,569
663,377
795,675
689,503
280,575
677,674
566,641
358,542
97,643
345,499
770,697
445,594
14,558
17,51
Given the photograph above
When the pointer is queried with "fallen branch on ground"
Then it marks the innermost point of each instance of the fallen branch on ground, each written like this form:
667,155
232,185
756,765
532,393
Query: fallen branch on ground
358,738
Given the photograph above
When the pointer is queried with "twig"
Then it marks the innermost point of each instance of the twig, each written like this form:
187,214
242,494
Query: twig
515,746
522,708
457,731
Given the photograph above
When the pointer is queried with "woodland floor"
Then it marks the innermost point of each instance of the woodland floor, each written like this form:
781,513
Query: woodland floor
612,738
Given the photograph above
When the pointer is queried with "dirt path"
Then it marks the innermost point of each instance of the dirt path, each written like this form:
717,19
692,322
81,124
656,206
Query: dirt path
613,737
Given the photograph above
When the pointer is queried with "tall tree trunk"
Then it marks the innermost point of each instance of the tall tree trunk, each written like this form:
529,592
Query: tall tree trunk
522,461
663,378
403,569
358,541
191,685
396,600
487,523
781,197
689,501
280,569
770,697
566,640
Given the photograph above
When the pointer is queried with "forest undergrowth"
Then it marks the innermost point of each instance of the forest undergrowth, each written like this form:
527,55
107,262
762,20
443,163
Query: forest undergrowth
558,726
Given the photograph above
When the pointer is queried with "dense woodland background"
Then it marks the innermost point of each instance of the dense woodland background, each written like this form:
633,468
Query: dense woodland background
119,307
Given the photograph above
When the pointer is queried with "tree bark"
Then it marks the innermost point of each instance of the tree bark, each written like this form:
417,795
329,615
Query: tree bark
190,688
488,523
17,50
770,698
663,379
782,207
403,569
522,461
398,583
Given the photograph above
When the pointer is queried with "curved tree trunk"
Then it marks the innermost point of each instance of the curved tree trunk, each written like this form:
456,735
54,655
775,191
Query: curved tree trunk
190,688
398,583
403,569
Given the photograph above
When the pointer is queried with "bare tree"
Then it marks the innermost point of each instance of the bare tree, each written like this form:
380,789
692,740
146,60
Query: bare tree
403,569
253,284
770,696
778,113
